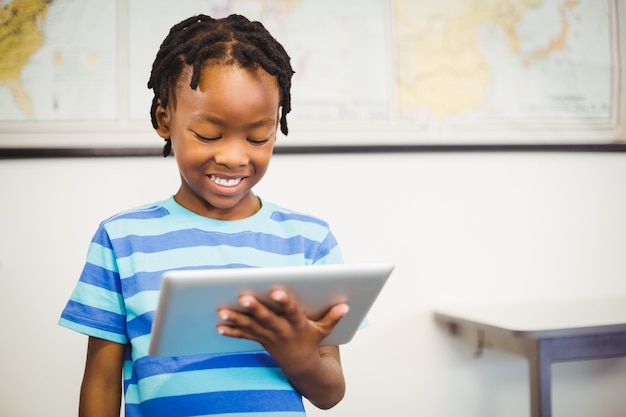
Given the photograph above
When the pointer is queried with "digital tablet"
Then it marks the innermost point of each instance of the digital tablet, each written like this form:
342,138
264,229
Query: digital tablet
186,316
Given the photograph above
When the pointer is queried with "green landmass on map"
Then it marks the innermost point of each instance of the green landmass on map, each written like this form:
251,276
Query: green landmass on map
20,37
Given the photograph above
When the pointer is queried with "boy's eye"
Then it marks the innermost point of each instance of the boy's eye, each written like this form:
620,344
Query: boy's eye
206,138
258,141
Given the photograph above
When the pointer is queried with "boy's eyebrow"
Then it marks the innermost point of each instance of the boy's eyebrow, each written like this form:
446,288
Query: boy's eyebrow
263,122
220,122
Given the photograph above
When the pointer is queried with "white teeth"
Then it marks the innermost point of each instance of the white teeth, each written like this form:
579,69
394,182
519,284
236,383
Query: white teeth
225,182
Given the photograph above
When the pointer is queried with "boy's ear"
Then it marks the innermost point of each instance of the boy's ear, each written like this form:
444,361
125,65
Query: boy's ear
162,117
278,118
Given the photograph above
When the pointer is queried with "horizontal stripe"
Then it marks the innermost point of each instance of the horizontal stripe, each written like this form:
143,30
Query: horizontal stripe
326,246
140,325
101,277
142,303
287,215
218,403
151,365
130,376
95,317
92,331
127,245
291,227
195,257
280,225
140,344
253,414
131,413
141,281
97,297
119,226
151,211
151,281
101,256
101,237
261,414
120,229
143,227
207,381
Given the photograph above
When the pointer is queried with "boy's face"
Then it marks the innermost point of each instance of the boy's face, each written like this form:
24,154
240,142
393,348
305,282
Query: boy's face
223,135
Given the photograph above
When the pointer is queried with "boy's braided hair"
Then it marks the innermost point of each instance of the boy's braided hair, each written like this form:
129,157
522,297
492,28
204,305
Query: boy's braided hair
231,40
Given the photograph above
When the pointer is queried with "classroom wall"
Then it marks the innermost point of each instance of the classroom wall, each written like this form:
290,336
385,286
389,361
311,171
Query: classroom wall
461,228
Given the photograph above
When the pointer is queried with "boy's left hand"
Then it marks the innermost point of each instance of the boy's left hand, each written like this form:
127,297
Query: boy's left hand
283,329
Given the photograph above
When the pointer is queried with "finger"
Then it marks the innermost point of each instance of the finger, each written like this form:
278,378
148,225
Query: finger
292,312
256,309
238,316
257,321
283,300
334,315
239,325
228,330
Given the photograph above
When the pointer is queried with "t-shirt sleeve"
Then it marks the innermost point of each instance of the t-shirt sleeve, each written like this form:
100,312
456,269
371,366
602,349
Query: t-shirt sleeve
96,306
328,251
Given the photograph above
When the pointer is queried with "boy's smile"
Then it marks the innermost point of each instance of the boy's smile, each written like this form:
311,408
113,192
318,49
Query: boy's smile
226,182
223,135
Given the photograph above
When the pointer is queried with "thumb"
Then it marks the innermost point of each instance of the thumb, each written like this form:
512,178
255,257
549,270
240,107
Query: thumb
336,313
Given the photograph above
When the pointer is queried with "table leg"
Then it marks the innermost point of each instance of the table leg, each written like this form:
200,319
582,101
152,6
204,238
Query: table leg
540,382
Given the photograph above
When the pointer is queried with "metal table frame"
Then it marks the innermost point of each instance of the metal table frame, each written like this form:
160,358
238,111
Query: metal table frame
542,345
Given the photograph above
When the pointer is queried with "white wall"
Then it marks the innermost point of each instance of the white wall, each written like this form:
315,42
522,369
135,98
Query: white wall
462,228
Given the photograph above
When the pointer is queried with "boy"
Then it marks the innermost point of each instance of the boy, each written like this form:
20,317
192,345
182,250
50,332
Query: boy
221,90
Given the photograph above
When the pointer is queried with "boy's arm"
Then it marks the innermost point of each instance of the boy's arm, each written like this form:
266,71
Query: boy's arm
101,390
293,339
321,382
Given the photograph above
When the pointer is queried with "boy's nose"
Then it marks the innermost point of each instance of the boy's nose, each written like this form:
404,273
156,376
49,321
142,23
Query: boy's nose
232,153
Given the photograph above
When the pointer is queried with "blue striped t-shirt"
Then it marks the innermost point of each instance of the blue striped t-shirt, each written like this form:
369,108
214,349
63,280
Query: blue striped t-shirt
117,293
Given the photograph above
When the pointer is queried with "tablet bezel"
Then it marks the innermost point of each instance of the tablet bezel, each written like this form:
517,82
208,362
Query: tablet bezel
186,317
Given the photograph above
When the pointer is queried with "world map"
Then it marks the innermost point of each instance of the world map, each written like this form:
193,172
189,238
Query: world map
429,70
463,62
